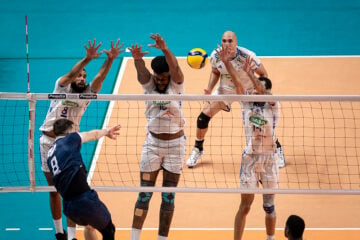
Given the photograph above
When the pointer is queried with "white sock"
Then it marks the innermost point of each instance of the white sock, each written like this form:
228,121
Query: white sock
162,238
58,225
270,237
135,234
71,232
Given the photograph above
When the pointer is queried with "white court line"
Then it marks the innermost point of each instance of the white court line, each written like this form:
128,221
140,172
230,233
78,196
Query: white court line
231,229
12,229
107,119
45,229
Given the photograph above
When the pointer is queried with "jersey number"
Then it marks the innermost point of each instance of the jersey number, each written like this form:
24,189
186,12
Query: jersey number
54,166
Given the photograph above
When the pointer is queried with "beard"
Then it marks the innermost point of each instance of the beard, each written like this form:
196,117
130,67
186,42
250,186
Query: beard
77,89
161,91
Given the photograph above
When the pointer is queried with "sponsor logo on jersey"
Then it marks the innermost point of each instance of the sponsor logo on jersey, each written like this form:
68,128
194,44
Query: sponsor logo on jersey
257,121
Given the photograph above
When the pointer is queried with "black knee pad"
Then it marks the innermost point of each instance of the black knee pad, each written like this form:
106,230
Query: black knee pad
143,200
203,121
167,202
108,232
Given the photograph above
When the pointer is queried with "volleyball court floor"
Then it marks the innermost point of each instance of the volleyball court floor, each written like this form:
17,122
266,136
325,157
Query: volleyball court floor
210,216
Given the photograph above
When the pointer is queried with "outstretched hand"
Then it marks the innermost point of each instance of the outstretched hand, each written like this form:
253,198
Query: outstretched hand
114,50
247,65
113,132
91,50
159,42
224,52
136,51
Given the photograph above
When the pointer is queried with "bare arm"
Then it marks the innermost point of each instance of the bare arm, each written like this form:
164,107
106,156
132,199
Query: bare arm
261,71
111,55
213,80
91,53
92,135
175,70
143,74
257,84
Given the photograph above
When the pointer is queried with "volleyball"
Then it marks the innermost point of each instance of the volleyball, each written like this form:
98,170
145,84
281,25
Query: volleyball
197,58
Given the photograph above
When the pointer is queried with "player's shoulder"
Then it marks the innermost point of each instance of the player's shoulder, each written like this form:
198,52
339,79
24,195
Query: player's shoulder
244,51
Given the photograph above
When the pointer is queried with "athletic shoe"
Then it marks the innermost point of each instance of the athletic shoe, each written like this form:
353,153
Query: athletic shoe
61,236
281,157
194,157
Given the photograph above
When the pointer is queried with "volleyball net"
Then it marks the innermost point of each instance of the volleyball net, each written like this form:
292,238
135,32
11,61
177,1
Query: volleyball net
320,137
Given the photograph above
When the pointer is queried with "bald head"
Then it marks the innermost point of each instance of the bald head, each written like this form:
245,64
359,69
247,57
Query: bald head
229,40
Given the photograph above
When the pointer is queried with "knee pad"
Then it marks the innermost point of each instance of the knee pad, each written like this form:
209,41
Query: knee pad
268,205
203,121
143,200
167,202
108,232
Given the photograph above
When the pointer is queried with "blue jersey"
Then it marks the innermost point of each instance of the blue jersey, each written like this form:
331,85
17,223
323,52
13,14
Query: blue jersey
65,161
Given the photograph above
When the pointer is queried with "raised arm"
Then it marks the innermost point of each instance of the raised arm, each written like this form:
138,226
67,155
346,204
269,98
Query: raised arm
247,68
225,56
91,53
92,135
111,55
175,70
143,74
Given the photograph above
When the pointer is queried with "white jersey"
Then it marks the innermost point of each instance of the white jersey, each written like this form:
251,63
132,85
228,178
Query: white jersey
259,126
65,108
226,85
164,116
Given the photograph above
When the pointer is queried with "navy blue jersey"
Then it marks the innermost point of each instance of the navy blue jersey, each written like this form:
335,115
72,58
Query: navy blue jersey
65,161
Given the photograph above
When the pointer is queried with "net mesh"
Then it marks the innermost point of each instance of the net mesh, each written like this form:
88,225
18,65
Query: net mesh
319,136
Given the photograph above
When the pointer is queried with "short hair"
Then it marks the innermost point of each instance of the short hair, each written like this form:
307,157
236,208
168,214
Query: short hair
268,84
61,126
159,65
296,226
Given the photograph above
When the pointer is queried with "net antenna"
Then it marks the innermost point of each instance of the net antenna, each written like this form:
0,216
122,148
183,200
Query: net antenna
27,54
32,103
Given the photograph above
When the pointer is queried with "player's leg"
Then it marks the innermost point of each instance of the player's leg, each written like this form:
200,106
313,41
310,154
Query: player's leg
240,218
148,179
167,204
54,197
270,215
209,110
90,233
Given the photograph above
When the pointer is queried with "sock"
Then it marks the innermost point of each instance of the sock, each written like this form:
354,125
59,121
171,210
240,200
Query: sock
135,234
58,226
71,232
162,238
270,237
199,144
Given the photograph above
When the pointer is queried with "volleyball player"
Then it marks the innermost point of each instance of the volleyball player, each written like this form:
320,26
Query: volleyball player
259,159
294,228
164,147
72,82
81,204
226,86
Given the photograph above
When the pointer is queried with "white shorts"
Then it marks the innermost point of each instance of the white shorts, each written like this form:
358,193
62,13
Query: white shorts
46,143
225,91
257,169
167,154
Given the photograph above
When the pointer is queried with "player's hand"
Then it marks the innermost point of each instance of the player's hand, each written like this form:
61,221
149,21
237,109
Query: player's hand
91,50
136,51
207,91
159,42
247,65
113,132
224,52
114,50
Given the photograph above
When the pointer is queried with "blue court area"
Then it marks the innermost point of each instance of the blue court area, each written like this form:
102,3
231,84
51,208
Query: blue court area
58,31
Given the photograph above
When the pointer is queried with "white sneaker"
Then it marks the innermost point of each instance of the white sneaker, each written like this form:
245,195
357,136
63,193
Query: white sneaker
281,157
194,157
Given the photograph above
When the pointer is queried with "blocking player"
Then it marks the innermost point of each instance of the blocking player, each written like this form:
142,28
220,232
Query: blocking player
164,147
259,159
72,82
